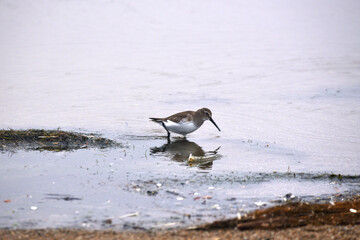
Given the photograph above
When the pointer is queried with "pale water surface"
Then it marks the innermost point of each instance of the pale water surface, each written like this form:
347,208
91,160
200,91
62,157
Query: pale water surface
282,79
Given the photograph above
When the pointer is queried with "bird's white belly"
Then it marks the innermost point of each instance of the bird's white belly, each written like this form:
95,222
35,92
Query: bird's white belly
180,128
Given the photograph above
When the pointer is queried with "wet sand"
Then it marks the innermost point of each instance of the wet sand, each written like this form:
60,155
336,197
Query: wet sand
295,220
56,207
308,232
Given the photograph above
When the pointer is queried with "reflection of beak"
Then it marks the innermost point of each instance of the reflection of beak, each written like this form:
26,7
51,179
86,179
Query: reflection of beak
211,120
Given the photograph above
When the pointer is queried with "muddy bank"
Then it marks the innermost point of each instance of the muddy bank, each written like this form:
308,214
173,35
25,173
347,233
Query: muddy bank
294,215
133,181
51,140
308,232
295,220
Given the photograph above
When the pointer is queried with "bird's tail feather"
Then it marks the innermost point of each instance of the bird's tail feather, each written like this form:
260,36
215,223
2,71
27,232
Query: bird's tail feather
158,120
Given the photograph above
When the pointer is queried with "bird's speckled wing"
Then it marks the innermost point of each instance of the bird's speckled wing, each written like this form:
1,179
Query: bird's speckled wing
182,116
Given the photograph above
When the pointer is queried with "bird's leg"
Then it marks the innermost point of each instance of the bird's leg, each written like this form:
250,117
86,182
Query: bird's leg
168,133
168,136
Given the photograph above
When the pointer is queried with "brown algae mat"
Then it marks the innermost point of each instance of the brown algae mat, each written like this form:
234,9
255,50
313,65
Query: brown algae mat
294,215
338,220
51,140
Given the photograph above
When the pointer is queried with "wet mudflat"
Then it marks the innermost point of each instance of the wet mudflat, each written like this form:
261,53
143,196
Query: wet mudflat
130,185
162,202
290,220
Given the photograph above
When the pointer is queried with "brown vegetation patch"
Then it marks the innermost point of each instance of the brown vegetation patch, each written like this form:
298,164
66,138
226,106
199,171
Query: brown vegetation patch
51,140
294,215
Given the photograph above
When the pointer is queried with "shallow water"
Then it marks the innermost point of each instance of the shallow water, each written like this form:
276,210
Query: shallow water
281,78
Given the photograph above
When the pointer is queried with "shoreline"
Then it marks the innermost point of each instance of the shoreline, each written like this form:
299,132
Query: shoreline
300,220
306,232
339,218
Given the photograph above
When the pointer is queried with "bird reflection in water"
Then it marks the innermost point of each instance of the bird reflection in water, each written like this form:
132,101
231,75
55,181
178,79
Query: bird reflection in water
187,152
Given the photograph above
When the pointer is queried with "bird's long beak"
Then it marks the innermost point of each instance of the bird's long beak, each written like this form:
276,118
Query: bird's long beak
211,120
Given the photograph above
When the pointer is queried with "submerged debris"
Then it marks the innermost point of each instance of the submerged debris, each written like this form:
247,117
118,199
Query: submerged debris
152,193
202,162
107,221
65,197
260,203
51,140
290,198
135,214
193,159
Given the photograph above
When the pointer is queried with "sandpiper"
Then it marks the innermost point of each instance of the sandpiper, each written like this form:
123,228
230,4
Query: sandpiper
185,122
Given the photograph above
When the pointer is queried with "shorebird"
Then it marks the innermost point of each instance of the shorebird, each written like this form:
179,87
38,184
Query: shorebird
185,122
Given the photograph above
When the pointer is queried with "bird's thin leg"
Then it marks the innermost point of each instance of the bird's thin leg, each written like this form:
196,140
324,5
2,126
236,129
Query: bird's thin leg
168,133
168,136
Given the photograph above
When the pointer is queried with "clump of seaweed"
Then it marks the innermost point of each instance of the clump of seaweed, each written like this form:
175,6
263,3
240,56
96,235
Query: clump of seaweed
51,140
294,215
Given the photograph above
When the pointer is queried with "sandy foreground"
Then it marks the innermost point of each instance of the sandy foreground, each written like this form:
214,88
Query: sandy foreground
307,232
335,220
